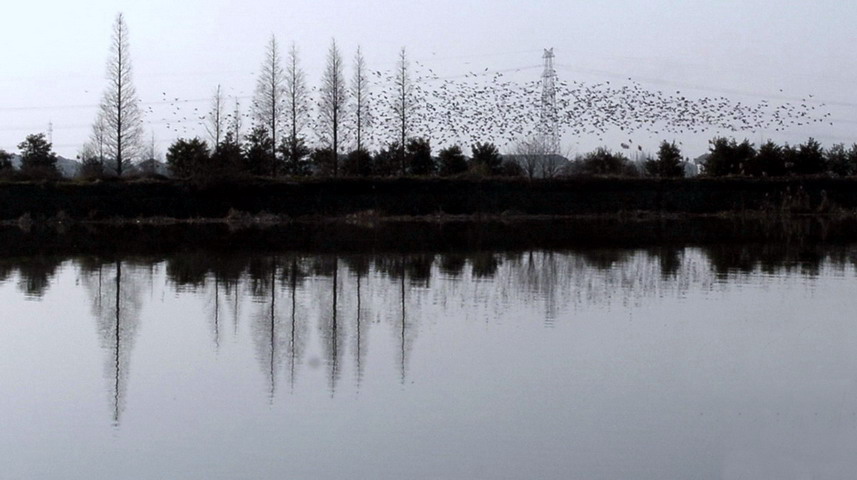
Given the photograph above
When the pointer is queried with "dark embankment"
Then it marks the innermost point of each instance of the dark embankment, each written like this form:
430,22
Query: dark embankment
122,240
404,197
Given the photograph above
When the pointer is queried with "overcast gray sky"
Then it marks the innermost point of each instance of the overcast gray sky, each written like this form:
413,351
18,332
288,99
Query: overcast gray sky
54,52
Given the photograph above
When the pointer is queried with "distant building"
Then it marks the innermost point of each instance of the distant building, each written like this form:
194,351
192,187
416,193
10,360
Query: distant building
699,162
691,169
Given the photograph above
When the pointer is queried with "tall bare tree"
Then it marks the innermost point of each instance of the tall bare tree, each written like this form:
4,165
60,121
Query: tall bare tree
215,120
332,102
360,98
403,102
120,107
297,98
268,103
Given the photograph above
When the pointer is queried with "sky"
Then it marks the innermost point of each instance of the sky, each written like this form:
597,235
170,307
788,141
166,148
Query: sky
53,61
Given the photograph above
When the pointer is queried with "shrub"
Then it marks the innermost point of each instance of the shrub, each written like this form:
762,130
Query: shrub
604,162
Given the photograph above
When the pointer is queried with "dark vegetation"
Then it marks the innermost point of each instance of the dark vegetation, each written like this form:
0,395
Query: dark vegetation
726,157
196,161
290,181
374,197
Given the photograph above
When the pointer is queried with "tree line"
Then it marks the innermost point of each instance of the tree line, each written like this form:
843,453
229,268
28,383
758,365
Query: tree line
256,155
729,157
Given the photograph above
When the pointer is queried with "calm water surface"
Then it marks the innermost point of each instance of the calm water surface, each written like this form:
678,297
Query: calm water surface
678,363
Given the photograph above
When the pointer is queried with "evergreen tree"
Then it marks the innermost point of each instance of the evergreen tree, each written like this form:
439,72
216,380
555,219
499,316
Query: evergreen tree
809,159
386,161
452,161
838,162
37,157
769,161
789,153
852,160
668,163
486,159
322,161
188,159
295,157
5,162
259,156
419,157
228,158
358,163
728,157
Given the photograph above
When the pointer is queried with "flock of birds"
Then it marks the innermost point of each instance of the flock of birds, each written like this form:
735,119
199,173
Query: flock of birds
504,112
488,107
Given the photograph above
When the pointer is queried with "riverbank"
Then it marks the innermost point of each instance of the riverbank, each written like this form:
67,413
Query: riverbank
279,201
412,235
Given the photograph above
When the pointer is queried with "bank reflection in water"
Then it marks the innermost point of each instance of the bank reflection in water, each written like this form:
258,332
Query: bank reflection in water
292,300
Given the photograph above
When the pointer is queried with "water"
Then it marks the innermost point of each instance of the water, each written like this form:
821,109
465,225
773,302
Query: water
680,362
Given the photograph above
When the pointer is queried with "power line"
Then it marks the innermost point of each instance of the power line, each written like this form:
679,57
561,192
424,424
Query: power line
661,81
95,105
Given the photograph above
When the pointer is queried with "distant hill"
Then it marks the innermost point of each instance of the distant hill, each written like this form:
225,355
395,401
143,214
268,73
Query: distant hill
70,168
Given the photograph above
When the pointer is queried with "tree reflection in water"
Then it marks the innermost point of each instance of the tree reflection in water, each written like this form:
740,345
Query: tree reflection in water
302,303
114,288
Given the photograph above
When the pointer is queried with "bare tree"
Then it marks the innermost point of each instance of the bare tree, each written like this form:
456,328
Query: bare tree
97,145
530,155
537,157
215,120
150,157
332,102
403,102
116,303
151,151
360,96
120,107
268,104
236,124
297,100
